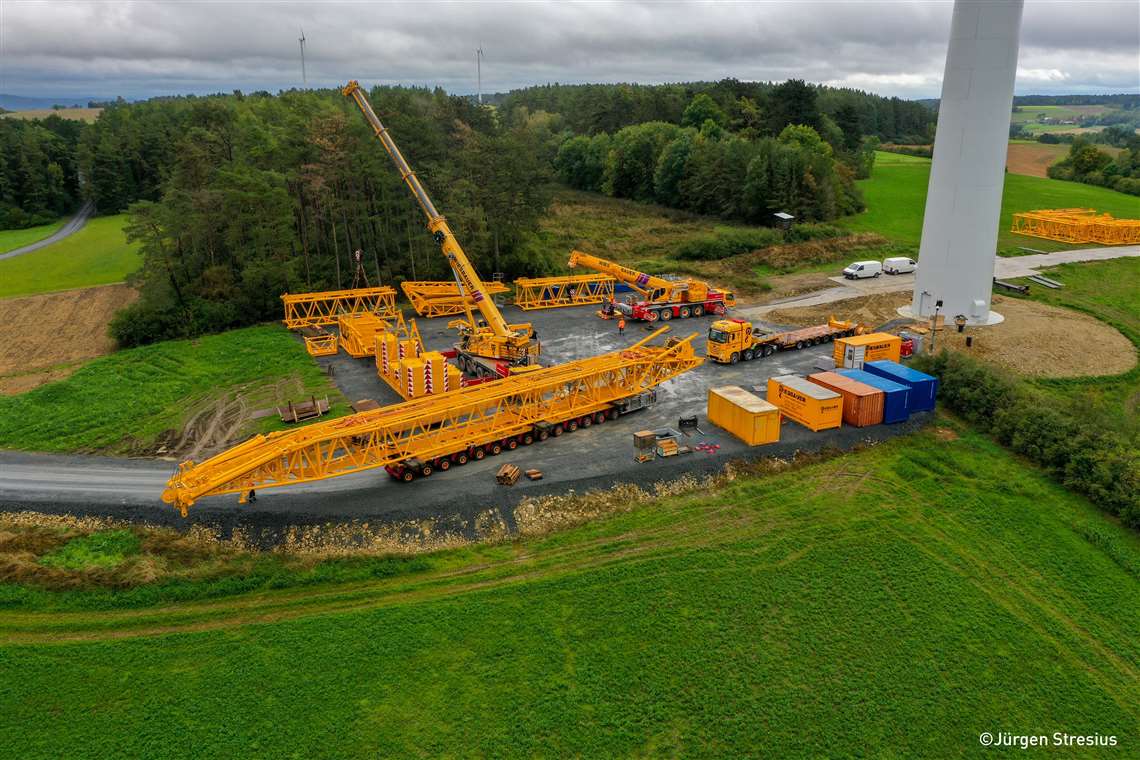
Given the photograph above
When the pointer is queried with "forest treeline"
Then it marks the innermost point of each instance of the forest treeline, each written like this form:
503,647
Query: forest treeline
745,166
39,170
237,199
762,106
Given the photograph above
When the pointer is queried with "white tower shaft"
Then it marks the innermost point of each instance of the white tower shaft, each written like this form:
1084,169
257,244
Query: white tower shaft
963,203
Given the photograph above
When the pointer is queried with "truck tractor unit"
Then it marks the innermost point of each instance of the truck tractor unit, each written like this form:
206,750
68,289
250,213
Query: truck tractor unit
734,340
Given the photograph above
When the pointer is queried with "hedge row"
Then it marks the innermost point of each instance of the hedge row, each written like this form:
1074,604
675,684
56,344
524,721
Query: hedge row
1084,456
721,245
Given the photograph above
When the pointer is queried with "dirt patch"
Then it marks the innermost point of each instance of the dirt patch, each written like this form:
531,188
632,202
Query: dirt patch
1033,159
1039,340
872,310
46,337
945,434
1036,340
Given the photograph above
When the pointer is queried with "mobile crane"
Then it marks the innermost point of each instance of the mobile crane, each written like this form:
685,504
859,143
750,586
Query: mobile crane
488,347
662,299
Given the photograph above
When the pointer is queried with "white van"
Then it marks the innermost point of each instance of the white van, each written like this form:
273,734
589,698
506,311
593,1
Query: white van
899,265
861,270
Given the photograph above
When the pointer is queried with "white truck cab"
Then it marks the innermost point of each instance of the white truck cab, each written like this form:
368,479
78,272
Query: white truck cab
899,265
861,270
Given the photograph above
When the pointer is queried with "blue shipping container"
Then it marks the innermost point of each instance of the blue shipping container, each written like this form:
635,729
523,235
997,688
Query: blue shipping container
923,387
895,395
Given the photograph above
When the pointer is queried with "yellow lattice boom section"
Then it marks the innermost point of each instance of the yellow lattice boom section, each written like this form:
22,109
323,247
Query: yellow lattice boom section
326,307
436,425
441,298
567,290
1076,225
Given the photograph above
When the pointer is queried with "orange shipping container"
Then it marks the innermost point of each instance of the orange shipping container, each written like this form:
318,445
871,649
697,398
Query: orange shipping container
811,405
745,415
854,351
862,404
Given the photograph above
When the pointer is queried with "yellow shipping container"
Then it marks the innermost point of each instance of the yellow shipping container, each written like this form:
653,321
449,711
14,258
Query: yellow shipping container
745,415
811,405
866,348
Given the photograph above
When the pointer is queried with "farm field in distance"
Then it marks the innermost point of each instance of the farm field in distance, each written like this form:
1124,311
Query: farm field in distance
98,254
896,195
80,114
913,594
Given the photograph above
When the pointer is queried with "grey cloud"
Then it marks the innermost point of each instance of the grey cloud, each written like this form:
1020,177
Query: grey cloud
151,47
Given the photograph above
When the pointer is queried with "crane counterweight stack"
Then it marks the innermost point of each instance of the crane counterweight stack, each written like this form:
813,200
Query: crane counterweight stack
417,437
481,342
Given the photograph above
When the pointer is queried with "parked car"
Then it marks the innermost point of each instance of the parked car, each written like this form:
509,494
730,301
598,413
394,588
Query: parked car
899,265
861,270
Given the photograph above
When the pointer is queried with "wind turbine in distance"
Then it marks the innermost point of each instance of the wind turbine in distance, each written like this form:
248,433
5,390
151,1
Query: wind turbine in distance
479,72
304,78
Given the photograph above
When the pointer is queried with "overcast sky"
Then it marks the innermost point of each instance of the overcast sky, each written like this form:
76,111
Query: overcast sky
154,47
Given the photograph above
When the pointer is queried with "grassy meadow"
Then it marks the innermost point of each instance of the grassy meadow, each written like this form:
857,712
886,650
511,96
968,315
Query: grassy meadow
1109,291
896,197
897,601
128,400
10,240
96,255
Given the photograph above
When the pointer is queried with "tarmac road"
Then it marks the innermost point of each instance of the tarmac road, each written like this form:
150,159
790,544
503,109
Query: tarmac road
74,224
590,458
1005,268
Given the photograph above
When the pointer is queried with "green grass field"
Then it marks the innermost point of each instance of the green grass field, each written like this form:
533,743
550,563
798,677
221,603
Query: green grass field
896,196
124,402
10,240
96,255
1110,291
896,602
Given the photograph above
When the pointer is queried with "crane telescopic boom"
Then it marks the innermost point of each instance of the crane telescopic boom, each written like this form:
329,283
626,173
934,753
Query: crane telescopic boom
498,340
664,299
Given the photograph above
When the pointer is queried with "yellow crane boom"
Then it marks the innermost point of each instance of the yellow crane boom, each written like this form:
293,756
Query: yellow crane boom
435,432
497,340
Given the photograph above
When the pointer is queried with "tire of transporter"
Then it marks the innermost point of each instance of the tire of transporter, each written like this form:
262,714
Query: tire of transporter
748,355
769,350
571,426
495,449
543,435
799,344
698,311
479,453
666,314
684,312
527,439
426,470
613,414
462,458
599,418
407,476
443,464
587,421
557,430
734,358
512,444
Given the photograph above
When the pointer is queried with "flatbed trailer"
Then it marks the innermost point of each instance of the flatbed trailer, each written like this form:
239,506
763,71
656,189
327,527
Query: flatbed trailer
734,340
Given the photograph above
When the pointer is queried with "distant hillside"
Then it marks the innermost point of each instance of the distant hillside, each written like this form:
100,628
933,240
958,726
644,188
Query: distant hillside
24,103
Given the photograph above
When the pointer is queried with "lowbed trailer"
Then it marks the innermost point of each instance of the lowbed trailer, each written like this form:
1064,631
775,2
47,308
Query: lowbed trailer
734,340
421,436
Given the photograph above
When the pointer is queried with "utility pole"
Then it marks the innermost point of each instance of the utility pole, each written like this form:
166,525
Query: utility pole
479,71
304,77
